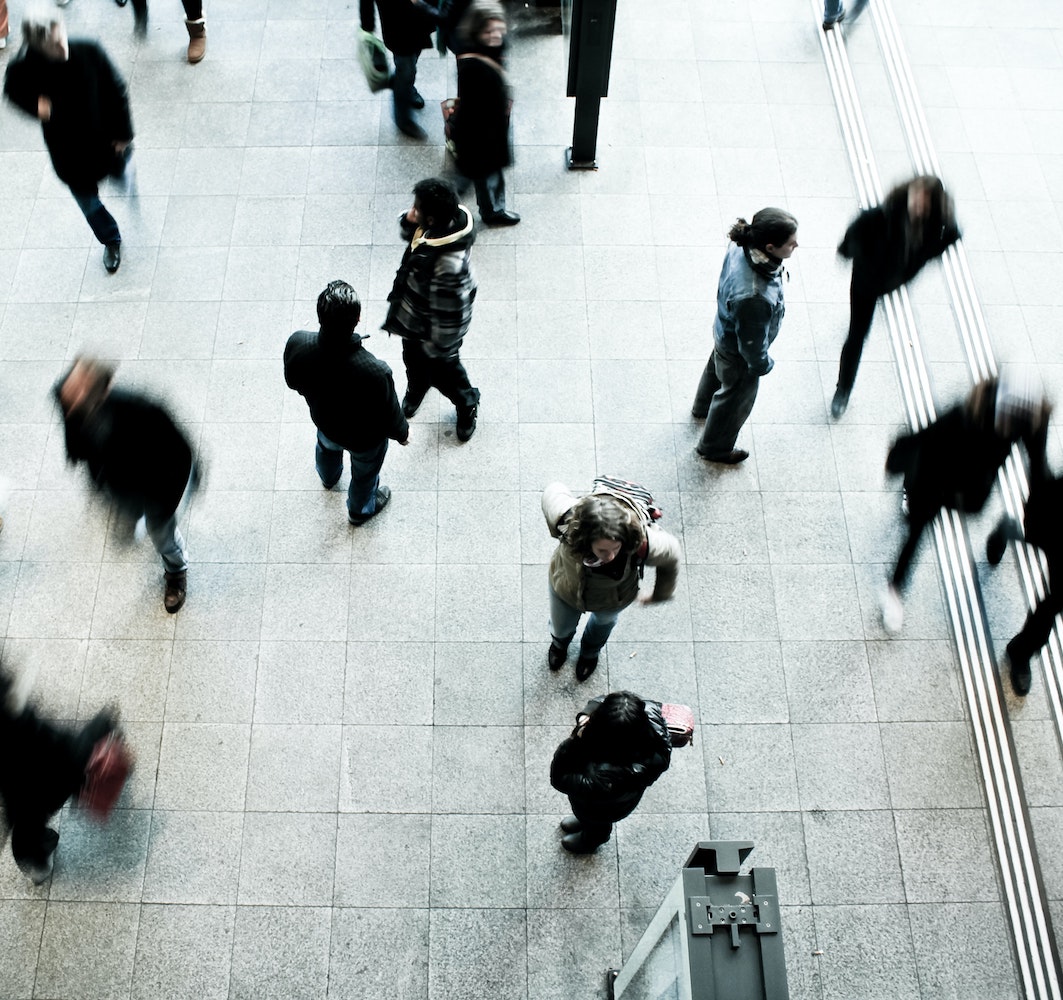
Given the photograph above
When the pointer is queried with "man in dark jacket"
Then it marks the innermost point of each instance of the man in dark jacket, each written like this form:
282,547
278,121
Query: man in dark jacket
81,102
135,453
407,30
431,300
352,400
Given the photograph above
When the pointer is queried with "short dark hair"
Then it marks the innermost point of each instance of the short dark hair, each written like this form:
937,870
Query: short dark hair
437,198
769,225
338,308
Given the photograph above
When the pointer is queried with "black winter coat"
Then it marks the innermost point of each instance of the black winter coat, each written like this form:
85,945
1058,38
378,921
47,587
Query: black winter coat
350,392
604,792
406,29
878,245
90,109
480,126
134,452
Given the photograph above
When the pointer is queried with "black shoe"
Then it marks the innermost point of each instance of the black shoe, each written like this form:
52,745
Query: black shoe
733,457
571,825
501,219
827,25
112,257
409,407
697,415
466,422
557,653
383,497
1021,675
140,24
412,129
585,666
573,843
418,100
839,404
995,547
121,3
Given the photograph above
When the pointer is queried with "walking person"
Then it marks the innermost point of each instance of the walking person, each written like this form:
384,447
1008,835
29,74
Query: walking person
620,747
749,311
834,12
953,462
136,454
352,400
194,22
430,304
1043,528
81,102
596,569
480,126
889,245
407,31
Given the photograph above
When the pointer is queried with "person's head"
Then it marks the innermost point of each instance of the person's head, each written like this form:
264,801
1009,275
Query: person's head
84,386
618,731
600,527
338,309
435,203
484,24
1012,403
773,231
44,31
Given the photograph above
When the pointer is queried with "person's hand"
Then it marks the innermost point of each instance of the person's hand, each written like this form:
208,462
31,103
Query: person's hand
44,108
120,146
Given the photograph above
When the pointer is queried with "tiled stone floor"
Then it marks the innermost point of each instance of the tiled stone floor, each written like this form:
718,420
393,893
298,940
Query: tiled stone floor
343,739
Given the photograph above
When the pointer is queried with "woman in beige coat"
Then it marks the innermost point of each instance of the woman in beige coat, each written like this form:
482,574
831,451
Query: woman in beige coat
596,568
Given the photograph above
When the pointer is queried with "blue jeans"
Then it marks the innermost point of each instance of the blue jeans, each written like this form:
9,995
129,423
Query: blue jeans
403,86
365,473
104,228
564,619
168,542
726,394
832,10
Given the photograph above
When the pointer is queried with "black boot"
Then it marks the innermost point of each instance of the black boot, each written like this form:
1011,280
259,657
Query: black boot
586,665
558,652
1021,675
466,422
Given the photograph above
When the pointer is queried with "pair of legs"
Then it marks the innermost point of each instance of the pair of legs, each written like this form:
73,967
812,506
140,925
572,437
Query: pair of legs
193,10
725,397
404,96
448,375
564,619
861,312
490,193
365,473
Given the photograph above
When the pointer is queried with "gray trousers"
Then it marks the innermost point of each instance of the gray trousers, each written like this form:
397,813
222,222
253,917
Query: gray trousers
726,393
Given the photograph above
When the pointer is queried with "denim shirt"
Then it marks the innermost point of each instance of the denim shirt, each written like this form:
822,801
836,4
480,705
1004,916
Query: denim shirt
749,309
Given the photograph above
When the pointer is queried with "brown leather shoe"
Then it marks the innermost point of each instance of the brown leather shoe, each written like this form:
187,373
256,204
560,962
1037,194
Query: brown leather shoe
197,40
173,598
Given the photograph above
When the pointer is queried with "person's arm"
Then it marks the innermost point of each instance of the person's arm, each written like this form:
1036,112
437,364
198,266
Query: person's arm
400,427
367,14
663,554
752,322
22,88
115,95
855,240
556,502
573,775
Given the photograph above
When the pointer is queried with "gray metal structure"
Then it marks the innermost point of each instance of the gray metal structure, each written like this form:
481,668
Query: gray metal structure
717,934
588,27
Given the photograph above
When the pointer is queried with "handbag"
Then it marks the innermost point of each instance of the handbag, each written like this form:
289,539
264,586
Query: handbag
373,57
680,722
449,107
109,766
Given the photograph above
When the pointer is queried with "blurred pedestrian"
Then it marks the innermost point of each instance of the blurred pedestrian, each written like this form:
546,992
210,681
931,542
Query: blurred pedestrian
42,765
620,747
834,13
430,304
480,125
952,463
136,454
1043,528
81,102
194,22
889,245
352,400
596,568
749,310
407,30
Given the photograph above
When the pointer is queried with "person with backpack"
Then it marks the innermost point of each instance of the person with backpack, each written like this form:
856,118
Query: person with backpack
606,540
620,747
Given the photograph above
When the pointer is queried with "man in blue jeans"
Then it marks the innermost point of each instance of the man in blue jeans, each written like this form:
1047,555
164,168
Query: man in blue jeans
80,99
352,400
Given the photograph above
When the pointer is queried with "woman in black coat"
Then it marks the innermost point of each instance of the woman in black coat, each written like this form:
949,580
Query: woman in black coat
620,747
480,126
889,245
953,462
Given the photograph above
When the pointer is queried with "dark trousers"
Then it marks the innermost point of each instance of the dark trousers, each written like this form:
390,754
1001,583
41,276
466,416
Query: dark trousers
403,87
726,394
490,192
104,228
1038,625
365,472
861,313
448,375
918,522
193,9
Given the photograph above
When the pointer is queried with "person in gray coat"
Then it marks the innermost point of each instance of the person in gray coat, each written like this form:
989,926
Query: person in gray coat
749,310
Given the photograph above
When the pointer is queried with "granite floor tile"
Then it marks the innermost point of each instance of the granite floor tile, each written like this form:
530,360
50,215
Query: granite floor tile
281,952
379,950
183,952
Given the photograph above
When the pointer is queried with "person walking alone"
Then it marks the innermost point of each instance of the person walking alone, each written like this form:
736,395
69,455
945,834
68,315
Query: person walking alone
352,400
749,311
407,30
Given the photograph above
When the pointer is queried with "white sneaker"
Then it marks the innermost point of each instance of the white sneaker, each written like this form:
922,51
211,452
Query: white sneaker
892,610
904,503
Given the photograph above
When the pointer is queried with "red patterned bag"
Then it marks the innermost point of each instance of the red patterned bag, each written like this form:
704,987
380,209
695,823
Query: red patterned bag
105,775
680,722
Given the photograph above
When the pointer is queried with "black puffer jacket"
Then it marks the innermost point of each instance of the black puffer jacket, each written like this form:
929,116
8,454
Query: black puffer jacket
600,790
480,126
405,28
350,392
90,109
